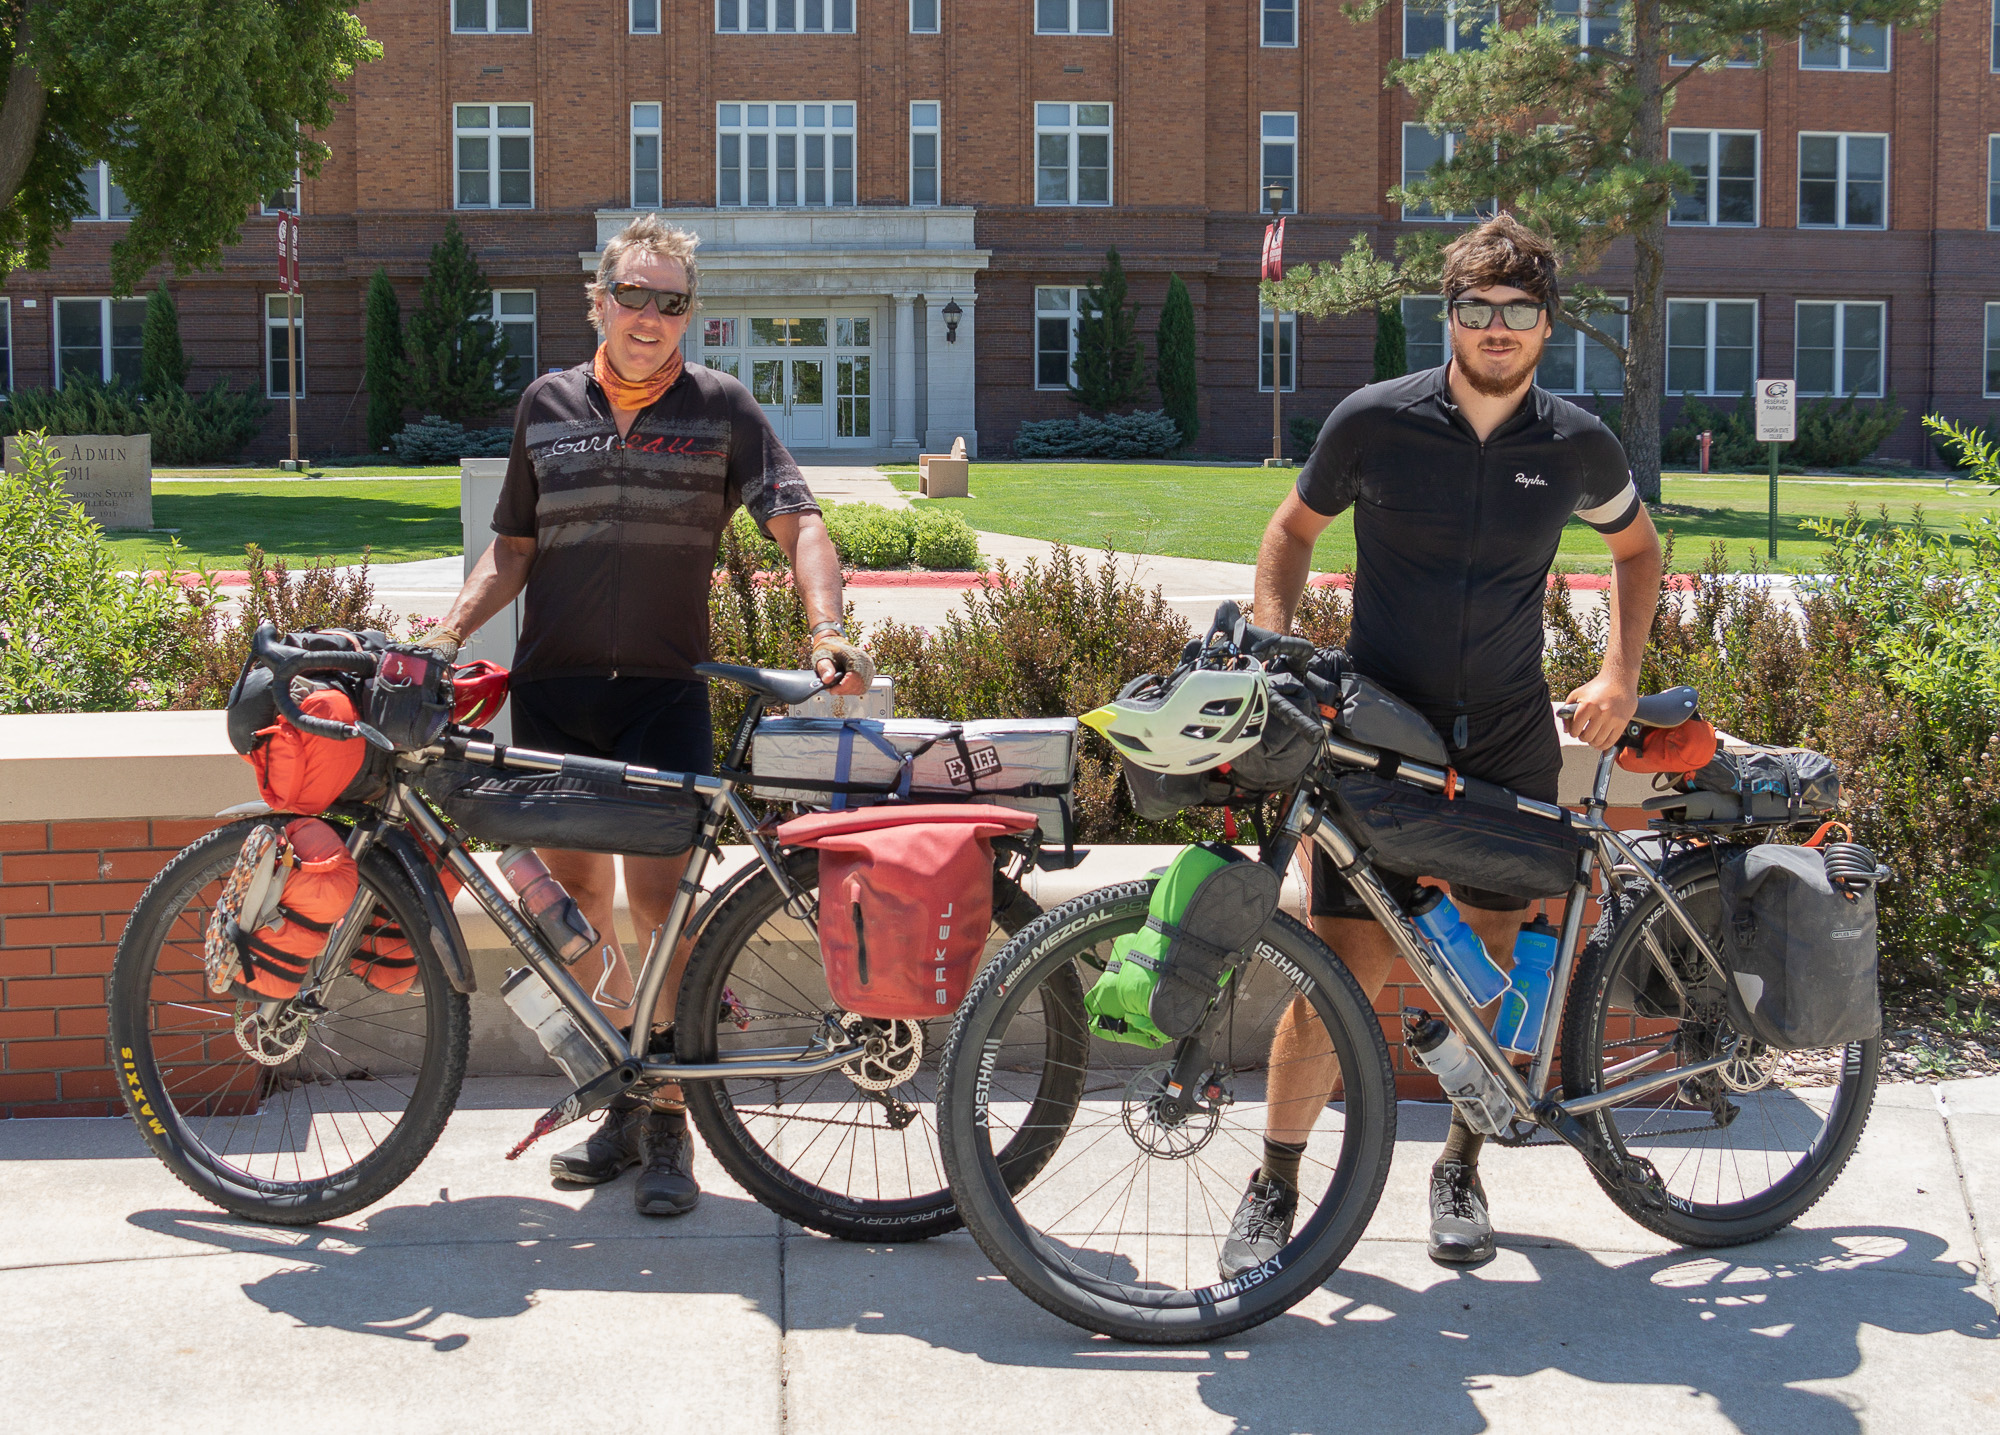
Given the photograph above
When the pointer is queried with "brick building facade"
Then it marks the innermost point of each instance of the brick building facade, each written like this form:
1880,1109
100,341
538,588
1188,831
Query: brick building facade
898,199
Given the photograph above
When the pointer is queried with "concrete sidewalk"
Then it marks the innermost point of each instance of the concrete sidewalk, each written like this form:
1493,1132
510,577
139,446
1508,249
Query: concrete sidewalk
477,1298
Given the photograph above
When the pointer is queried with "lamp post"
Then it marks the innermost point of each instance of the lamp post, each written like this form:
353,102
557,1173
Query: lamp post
1274,204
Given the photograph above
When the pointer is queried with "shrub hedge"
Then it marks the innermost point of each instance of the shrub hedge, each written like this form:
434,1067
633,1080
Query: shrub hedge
867,535
434,439
1143,435
209,429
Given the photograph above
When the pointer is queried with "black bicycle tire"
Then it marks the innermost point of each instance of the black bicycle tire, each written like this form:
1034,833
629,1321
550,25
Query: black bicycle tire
1342,1218
301,1203
773,1184
1681,1221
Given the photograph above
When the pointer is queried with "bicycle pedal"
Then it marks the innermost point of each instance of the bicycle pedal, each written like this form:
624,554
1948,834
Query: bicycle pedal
1642,1178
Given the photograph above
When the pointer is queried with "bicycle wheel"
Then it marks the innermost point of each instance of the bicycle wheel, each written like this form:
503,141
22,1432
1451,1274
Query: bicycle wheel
852,1152
1744,1150
1122,1232
340,1102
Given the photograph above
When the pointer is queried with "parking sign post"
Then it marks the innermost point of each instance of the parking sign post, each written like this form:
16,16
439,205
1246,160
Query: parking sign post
288,283
1777,422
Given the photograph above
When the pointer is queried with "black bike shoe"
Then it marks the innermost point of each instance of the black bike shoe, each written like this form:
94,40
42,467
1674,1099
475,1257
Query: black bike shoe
613,1149
666,1184
1461,1231
1262,1225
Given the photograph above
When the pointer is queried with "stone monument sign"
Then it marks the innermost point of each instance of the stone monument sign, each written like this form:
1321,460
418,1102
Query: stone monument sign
111,475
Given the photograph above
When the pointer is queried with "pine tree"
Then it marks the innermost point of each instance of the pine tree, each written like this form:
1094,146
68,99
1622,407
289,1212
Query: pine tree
382,362
163,363
1392,343
1109,369
455,352
1174,348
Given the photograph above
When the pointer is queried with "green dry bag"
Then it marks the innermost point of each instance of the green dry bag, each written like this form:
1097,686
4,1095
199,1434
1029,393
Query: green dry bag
1208,906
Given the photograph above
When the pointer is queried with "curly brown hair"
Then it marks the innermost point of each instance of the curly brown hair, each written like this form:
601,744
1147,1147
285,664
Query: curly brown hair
1502,251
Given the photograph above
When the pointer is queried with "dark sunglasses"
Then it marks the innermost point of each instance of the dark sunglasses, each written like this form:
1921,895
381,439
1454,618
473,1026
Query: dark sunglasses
670,302
1516,314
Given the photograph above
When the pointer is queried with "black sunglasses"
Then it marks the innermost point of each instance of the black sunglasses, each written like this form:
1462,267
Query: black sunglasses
671,302
1516,313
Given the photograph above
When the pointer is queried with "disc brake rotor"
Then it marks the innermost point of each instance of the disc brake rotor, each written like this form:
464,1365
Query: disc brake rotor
275,1044
1162,1129
891,1051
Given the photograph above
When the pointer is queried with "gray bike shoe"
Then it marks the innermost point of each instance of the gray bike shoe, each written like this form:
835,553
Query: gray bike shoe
611,1150
1262,1225
1461,1230
666,1184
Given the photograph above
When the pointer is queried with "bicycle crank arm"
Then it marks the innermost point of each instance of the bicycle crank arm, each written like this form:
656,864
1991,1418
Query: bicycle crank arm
592,1095
1634,1174
769,1061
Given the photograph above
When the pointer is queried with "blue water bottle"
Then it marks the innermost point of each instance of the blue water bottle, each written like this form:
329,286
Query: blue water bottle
1437,918
1519,1025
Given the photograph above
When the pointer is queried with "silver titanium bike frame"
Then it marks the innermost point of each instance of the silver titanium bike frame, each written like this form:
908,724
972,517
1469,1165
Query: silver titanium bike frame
1608,850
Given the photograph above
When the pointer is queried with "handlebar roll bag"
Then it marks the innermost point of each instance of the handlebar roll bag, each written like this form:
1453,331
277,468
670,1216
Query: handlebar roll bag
905,901
1477,839
299,772
580,811
1801,952
278,905
1292,740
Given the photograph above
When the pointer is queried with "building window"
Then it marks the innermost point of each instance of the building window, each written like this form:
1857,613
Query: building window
1575,363
784,156
284,201
924,17
719,335
1746,54
645,156
1854,47
276,367
1993,177
7,342
1711,346
785,17
1448,25
1597,21
103,197
1057,312
100,339
1722,170
645,17
1288,325
496,156
514,312
490,17
1843,181
1421,150
852,382
1424,342
1993,351
1281,161
1839,349
1281,22
1996,50
1072,17
923,152
1072,154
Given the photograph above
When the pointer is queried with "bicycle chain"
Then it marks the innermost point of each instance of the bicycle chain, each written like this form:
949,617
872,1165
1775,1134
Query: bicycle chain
1541,1136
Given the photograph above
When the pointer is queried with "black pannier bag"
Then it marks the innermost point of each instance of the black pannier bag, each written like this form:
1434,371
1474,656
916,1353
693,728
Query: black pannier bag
1291,742
1773,784
579,810
1478,839
1800,950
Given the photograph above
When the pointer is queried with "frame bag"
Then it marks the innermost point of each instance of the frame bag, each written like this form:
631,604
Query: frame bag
1801,951
578,809
1476,839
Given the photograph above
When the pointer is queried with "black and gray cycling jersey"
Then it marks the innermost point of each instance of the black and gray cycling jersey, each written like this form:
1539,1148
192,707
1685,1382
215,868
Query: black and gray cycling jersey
1455,537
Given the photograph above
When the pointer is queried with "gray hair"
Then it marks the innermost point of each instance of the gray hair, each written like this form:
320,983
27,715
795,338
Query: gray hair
648,234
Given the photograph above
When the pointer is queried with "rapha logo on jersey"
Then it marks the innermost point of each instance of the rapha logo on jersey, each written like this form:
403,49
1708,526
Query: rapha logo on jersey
1531,480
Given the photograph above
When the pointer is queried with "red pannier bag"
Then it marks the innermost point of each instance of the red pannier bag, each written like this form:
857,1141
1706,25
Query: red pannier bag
384,959
297,772
277,907
905,901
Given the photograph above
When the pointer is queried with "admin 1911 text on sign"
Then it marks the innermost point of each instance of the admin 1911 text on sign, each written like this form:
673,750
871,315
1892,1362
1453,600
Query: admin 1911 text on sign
111,475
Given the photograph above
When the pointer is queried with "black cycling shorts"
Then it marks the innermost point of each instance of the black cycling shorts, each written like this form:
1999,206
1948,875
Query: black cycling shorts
662,723
1516,746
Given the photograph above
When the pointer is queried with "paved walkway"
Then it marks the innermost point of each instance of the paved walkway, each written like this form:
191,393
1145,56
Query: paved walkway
477,1298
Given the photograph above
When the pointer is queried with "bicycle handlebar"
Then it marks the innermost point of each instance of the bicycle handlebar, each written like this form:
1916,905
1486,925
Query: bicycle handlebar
1290,652
287,662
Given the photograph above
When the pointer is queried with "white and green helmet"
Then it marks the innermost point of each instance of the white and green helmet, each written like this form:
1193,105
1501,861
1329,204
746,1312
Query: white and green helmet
1192,722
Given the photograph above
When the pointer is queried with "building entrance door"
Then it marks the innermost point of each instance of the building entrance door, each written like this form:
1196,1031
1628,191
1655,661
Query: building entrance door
810,374
793,393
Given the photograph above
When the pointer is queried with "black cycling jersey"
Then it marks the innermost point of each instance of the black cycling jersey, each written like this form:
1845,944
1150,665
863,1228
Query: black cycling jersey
1454,537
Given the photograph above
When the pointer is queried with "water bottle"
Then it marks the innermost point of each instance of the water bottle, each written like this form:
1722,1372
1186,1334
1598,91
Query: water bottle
537,1007
544,902
1475,1091
1437,918
1518,1027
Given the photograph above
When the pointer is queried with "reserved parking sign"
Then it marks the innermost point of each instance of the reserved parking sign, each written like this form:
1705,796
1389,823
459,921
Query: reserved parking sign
1777,411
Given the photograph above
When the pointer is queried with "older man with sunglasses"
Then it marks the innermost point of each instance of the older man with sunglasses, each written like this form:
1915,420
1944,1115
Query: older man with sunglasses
1461,479
623,473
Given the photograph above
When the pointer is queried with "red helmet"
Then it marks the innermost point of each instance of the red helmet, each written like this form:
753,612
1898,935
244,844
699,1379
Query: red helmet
478,692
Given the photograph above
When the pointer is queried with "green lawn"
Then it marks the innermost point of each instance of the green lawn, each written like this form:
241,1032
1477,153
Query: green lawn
299,520
271,471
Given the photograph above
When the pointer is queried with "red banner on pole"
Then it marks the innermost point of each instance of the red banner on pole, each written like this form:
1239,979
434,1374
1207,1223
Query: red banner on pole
1274,250
288,253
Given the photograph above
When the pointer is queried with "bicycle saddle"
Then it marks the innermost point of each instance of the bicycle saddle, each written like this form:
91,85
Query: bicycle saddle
784,685
1668,709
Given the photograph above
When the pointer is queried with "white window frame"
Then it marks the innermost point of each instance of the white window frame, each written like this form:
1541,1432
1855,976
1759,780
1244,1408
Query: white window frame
641,129
493,133
1588,22
296,192
1714,181
1266,142
1708,378
104,346
1269,10
1846,64
1452,139
97,179
1581,345
747,121
274,352
1288,348
932,127
1840,308
1451,9
1073,6
1840,176
491,27
1075,129
7,334
1994,58
1073,297
498,316
1441,319
1992,382
632,17
936,12
805,17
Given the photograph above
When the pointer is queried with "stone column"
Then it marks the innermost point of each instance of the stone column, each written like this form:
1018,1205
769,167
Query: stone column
950,374
906,372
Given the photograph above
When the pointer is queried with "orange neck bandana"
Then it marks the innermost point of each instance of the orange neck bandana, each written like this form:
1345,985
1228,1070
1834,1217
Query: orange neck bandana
623,392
